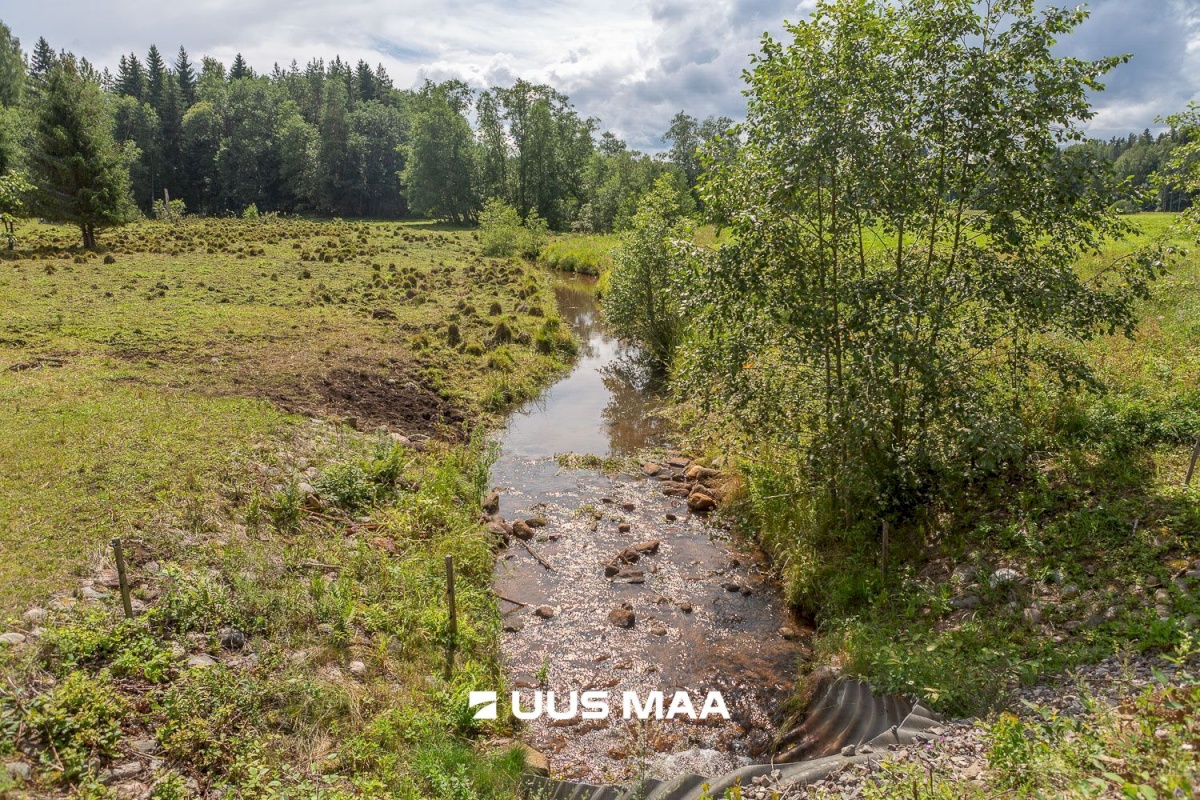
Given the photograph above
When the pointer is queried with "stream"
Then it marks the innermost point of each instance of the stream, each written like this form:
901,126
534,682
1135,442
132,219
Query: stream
707,616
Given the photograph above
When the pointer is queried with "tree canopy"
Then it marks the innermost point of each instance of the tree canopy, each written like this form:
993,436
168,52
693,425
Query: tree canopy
76,165
905,232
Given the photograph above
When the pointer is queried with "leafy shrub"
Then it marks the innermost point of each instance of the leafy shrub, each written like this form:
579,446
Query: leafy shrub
250,212
126,648
286,508
168,212
79,720
502,234
192,601
348,486
642,299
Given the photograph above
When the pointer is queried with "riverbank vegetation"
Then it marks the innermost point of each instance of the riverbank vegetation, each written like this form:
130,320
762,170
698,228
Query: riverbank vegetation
960,386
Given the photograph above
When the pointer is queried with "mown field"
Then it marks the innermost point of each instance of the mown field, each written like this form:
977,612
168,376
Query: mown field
284,421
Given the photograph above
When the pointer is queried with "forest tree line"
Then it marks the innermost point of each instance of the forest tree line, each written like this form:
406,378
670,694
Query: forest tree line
331,138
336,139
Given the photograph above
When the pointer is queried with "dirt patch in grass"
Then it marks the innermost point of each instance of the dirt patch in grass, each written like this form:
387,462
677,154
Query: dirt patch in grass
395,399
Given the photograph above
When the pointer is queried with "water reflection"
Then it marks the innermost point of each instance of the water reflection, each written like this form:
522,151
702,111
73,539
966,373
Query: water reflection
604,407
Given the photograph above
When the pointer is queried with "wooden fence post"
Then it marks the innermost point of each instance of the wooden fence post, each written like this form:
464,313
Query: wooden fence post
119,556
1192,464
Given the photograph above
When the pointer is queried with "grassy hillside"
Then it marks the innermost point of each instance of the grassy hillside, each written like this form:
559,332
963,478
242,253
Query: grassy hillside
281,418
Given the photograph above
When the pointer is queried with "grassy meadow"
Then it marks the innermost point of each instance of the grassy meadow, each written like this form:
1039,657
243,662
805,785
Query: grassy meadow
283,419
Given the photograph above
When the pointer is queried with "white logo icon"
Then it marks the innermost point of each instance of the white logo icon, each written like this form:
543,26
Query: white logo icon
485,699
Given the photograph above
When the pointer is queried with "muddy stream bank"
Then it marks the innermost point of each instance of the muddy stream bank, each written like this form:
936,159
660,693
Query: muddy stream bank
701,611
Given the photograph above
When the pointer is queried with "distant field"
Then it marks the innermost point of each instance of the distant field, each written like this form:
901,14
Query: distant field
138,383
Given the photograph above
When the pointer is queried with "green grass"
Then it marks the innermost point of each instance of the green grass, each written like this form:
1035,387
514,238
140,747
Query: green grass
588,255
136,388
161,391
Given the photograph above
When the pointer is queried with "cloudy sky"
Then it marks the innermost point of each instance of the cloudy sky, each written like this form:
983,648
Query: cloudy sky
632,64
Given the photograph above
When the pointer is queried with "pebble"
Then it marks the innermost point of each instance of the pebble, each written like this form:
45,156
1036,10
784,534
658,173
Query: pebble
121,772
545,612
966,601
12,638
658,629
201,661
358,669
621,617
513,626
35,615
1004,576
18,769
145,745
92,593
231,638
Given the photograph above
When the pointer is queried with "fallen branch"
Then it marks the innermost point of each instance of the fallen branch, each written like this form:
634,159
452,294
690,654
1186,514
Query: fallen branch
308,564
510,600
533,553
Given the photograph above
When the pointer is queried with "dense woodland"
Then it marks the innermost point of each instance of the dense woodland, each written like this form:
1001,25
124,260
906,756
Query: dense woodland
337,139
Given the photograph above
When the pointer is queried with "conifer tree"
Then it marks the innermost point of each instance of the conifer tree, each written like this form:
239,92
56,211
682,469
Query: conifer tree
43,59
156,71
131,77
239,69
76,165
185,76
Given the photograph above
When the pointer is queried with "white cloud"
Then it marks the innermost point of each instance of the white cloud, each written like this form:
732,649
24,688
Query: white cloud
633,65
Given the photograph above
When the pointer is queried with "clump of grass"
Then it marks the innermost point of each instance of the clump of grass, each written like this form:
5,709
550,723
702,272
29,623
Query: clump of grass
587,255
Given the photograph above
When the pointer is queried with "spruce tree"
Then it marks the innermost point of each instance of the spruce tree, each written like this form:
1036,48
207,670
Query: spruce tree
240,69
75,163
43,59
185,76
131,78
156,71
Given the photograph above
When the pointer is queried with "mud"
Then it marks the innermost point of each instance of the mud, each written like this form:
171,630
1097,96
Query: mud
373,398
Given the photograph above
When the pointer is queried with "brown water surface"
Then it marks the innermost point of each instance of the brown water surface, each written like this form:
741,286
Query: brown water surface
707,615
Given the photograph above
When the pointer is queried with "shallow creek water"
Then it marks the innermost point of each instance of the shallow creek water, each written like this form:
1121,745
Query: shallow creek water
707,617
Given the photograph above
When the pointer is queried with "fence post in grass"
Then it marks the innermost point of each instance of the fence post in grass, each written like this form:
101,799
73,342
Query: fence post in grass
119,557
453,643
883,556
1192,464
